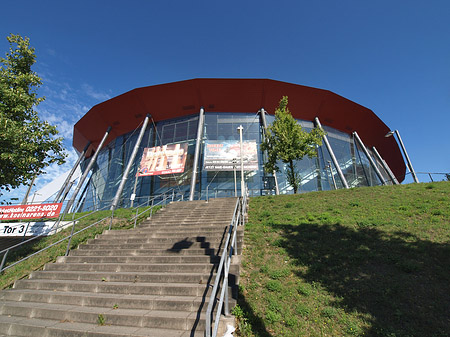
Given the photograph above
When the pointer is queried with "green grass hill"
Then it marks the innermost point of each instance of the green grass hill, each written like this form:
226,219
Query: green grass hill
360,262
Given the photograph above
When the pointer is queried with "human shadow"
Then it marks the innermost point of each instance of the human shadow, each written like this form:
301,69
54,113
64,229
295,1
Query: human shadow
401,281
180,245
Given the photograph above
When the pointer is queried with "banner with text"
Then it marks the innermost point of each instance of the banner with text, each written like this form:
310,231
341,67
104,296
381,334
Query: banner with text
25,229
166,159
37,211
225,155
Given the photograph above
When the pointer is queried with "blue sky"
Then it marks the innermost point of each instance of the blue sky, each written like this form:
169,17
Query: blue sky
390,56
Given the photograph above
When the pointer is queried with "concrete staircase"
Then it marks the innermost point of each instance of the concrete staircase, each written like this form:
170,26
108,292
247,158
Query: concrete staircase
154,280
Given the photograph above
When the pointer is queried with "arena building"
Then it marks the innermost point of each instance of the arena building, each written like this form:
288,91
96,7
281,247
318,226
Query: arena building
191,142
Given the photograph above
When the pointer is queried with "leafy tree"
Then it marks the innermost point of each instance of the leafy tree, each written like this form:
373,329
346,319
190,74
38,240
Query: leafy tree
27,144
286,141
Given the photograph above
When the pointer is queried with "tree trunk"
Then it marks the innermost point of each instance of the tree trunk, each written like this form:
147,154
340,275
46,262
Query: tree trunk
293,181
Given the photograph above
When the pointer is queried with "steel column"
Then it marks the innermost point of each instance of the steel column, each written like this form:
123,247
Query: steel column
62,191
333,157
130,162
241,154
86,172
407,157
372,163
385,166
197,152
262,113
25,198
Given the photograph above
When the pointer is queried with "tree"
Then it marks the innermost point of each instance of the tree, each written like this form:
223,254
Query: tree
27,144
285,140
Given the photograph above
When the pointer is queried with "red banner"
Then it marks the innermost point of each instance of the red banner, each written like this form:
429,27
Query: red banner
165,159
30,211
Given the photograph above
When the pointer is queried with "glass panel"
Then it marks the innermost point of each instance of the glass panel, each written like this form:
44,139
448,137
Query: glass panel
316,173
222,127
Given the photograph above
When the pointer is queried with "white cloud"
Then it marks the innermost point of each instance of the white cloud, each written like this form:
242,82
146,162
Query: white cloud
63,107
91,92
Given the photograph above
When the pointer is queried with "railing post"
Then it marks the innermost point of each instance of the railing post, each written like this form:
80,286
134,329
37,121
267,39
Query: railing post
112,217
225,285
235,241
151,209
3,260
135,218
70,239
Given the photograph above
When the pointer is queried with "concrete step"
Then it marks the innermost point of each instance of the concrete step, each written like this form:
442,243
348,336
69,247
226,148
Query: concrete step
131,267
205,211
32,327
126,288
178,246
176,226
177,233
139,259
135,277
167,230
168,240
91,250
161,246
179,320
148,302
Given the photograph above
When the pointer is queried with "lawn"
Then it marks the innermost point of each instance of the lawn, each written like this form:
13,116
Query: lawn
361,262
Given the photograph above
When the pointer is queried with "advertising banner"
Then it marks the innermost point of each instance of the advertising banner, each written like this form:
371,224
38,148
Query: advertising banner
220,155
25,229
166,159
37,211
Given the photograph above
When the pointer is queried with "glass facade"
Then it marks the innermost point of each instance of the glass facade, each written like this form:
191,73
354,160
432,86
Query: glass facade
317,173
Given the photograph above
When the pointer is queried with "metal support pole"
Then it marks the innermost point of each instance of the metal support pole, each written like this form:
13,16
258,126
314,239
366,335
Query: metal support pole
333,157
25,199
385,166
235,182
62,191
130,162
241,154
86,172
407,157
197,152
262,113
372,163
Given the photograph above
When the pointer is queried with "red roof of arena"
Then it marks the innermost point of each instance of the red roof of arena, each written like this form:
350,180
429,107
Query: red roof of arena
166,101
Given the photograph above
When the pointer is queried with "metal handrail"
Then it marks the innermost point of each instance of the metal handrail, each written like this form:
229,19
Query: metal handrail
153,205
224,266
7,250
165,196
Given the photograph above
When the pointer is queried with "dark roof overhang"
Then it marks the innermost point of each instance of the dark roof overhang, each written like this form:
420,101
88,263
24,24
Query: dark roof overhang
166,101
